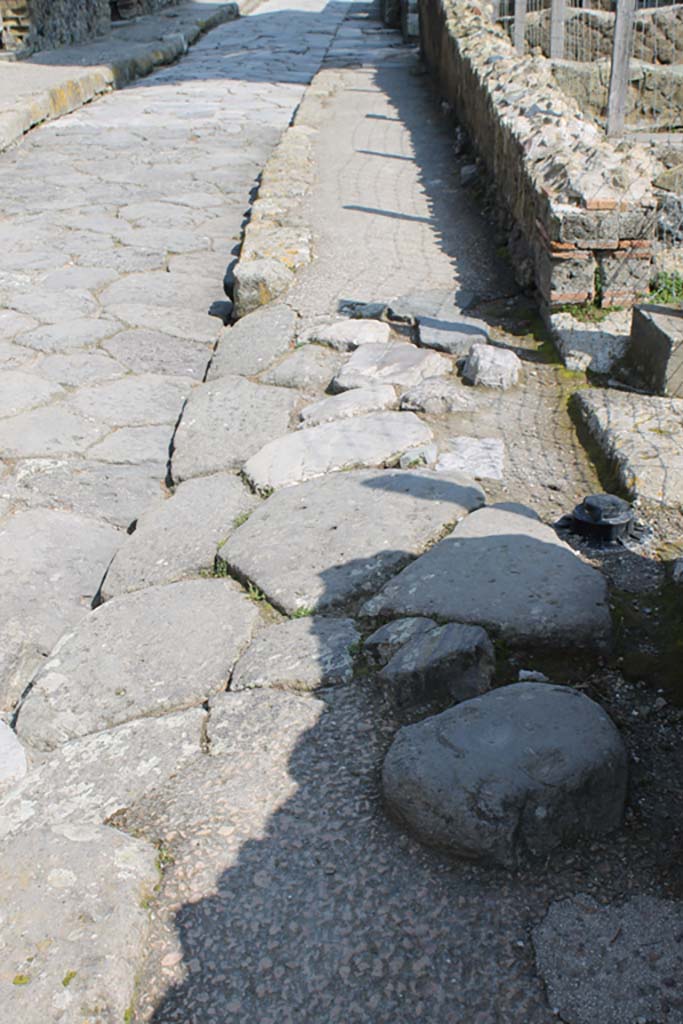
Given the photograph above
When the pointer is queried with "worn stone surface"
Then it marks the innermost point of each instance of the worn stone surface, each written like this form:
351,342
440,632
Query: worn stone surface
655,349
21,391
178,537
373,440
254,342
436,396
154,352
397,363
133,446
77,368
326,542
450,662
123,661
347,335
310,368
49,430
519,771
503,569
640,438
587,346
258,282
383,644
13,763
357,402
612,964
451,335
491,367
482,458
225,422
259,722
302,655
91,778
423,455
74,922
143,400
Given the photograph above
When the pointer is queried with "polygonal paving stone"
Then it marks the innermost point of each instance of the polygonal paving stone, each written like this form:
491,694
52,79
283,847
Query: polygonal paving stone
397,363
302,655
357,402
74,922
491,367
310,368
374,440
54,307
323,543
169,290
522,770
68,334
91,778
181,323
454,335
52,430
254,342
436,396
12,323
225,421
146,399
347,335
384,643
78,368
13,764
482,458
259,722
178,537
155,352
135,446
89,278
503,569
20,391
147,653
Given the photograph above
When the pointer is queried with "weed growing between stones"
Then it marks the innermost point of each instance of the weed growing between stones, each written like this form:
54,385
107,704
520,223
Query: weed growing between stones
253,592
68,978
667,288
302,613
240,520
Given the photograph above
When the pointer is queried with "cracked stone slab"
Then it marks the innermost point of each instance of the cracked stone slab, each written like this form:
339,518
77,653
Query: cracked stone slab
480,457
347,335
522,770
143,654
20,391
357,402
397,363
309,368
259,722
226,421
619,963
74,922
146,399
303,655
90,779
505,570
154,352
373,440
328,541
436,396
13,763
49,565
178,537
254,342
50,430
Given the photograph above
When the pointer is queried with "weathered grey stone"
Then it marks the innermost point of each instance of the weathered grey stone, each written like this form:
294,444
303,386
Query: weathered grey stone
328,541
397,363
310,368
521,770
225,421
155,352
423,455
260,722
50,562
13,763
51,430
383,644
77,368
146,399
13,323
450,662
54,307
254,342
124,660
591,346
20,391
503,569
170,291
302,655
677,571
453,336
374,440
491,367
357,402
74,922
436,396
91,778
134,446
13,357
68,334
614,964
656,348
258,282
178,537
181,323
482,458
347,335
89,278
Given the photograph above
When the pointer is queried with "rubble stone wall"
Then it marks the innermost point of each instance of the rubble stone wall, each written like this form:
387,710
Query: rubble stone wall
581,207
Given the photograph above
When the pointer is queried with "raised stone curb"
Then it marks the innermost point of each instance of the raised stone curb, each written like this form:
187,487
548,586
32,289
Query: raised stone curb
254,342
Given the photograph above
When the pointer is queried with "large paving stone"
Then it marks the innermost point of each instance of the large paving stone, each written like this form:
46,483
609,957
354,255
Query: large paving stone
21,391
615,964
258,282
505,570
178,537
13,764
640,438
521,770
302,655
50,562
310,368
225,421
77,368
68,334
181,323
383,644
259,722
347,335
491,367
146,399
454,334
482,458
436,396
134,446
51,430
326,542
450,662
357,402
74,923
373,440
91,778
168,290
154,352
144,654
254,342
397,363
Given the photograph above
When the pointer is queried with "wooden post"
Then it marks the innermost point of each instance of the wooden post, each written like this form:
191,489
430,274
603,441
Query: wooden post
621,63
558,14
519,31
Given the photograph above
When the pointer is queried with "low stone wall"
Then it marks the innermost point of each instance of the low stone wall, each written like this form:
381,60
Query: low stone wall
589,34
580,209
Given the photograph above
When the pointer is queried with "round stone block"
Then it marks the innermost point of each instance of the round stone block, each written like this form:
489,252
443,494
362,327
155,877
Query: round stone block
513,773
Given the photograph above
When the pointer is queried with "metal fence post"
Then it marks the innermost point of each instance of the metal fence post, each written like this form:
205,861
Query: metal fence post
519,34
621,61
558,14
